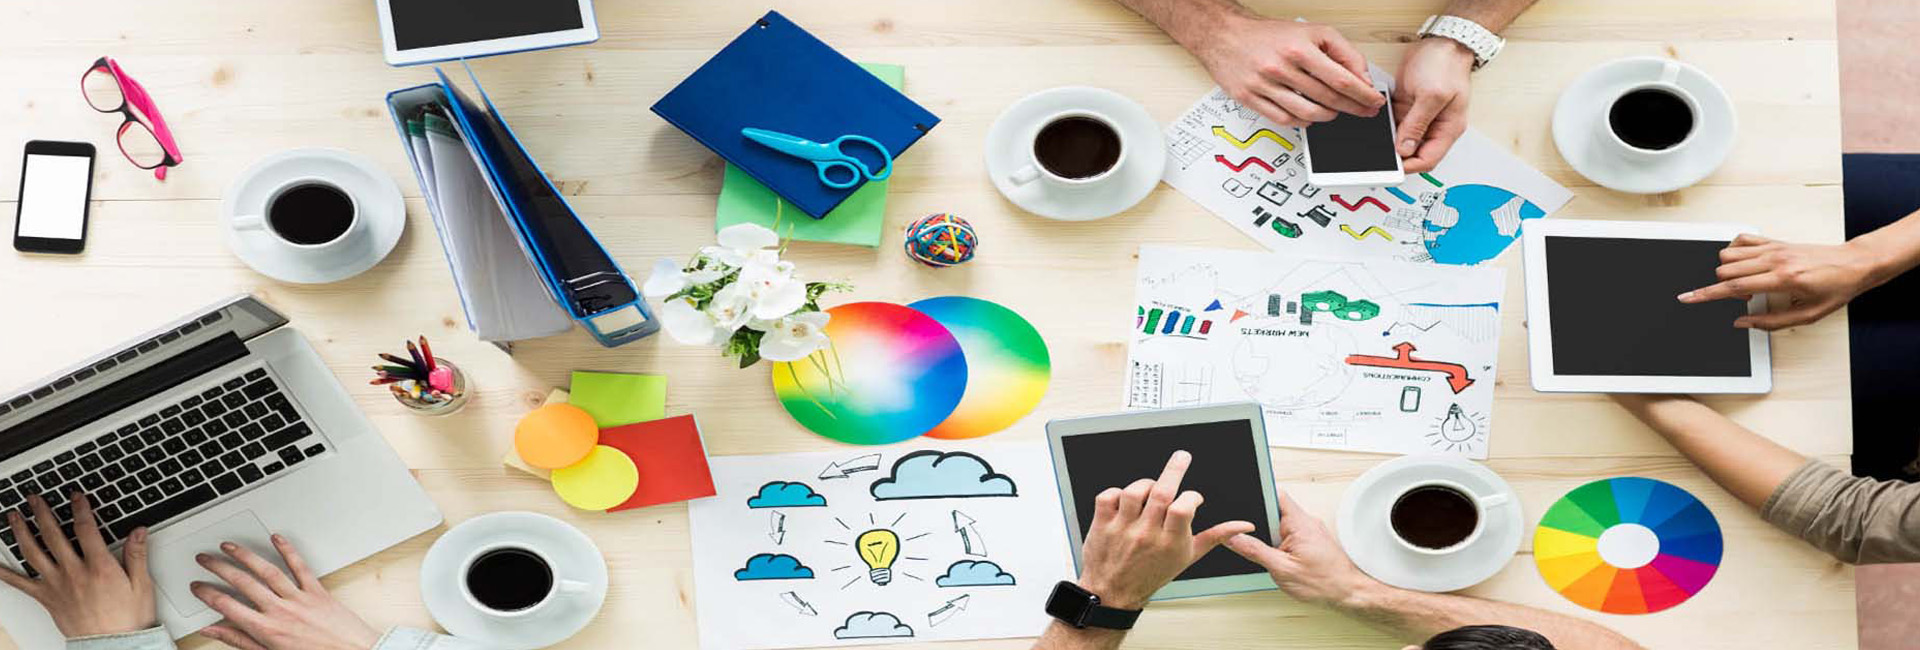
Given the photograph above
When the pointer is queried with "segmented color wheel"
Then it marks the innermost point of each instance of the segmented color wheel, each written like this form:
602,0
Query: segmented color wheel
1627,545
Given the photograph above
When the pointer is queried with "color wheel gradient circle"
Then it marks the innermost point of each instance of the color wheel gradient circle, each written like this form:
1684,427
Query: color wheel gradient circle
895,373
1609,518
1007,365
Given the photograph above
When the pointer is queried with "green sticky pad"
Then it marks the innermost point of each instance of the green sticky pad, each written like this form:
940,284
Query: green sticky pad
858,220
615,399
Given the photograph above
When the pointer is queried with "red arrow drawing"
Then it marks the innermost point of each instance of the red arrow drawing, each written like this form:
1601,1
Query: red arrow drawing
1355,206
1456,373
1251,160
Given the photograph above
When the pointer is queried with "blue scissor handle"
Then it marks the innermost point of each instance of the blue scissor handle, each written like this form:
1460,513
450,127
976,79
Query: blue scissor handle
827,156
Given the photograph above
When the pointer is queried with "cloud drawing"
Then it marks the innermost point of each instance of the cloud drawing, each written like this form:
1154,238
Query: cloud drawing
773,566
781,494
872,625
970,573
931,474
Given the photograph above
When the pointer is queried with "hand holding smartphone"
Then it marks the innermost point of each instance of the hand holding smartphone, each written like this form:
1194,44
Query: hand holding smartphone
56,188
1354,150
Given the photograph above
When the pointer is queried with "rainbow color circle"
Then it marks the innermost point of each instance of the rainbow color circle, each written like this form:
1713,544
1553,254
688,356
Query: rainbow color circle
895,373
1007,365
1627,545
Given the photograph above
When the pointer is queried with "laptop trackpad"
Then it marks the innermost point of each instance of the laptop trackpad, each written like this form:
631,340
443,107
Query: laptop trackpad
174,570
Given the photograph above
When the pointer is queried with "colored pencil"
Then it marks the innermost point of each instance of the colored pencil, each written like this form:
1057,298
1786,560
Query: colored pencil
414,352
398,360
427,352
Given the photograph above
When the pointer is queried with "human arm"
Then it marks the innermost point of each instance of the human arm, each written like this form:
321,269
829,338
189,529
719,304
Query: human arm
1310,566
1141,538
1746,464
1435,84
1289,71
1816,279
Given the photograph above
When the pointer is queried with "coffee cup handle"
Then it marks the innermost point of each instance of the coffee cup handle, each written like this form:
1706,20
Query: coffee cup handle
1024,175
573,587
1491,501
249,222
1670,71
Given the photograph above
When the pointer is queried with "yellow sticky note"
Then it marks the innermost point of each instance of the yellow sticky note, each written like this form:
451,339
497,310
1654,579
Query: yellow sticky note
604,480
512,459
617,399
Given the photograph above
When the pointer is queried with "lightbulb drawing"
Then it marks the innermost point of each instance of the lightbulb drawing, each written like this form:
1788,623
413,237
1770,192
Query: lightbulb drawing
1458,427
878,548
1458,430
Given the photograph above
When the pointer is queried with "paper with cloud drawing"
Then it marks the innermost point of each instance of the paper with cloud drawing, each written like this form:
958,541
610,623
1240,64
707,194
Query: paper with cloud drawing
1253,174
923,541
1353,355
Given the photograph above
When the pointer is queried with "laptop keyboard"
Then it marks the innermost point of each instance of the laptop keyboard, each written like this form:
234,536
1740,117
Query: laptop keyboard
167,462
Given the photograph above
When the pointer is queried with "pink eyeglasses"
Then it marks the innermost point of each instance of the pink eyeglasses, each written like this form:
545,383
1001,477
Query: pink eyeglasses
108,89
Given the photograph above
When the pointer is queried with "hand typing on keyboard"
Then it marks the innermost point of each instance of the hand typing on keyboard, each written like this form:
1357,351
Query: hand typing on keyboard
86,589
288,612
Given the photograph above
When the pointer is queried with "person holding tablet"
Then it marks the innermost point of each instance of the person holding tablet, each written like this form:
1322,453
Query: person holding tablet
1142,537
1295,72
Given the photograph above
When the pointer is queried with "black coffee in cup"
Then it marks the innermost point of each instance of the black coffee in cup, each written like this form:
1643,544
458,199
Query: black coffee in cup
509,579
311,213
1076,147
1654,119
1434,517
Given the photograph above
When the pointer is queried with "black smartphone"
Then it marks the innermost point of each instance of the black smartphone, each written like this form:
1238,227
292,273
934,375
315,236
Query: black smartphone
56,188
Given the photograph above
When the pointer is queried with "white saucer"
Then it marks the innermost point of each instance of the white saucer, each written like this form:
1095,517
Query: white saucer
574,557
1368,537
1008,148
379,202
1584,103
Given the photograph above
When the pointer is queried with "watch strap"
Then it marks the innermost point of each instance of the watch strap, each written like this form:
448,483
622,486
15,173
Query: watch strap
1111,618
1484,44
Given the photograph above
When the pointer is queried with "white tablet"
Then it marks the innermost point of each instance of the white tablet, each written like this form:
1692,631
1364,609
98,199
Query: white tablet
423,31
1230,468
1603,313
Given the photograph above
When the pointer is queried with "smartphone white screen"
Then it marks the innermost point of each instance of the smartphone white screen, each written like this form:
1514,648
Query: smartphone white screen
53,196
1351,143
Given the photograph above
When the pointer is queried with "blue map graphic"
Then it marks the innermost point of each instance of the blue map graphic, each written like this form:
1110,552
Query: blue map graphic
1470,224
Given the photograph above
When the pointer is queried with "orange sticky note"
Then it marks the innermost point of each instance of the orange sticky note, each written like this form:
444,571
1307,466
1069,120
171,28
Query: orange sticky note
672,461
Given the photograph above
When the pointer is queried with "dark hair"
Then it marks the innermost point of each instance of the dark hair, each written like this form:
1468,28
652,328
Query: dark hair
1488,637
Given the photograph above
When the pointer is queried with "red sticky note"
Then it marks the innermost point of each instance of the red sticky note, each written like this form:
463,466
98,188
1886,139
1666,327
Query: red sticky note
671,460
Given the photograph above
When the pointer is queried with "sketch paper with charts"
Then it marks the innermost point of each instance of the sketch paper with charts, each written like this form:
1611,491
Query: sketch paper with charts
1253,174
863,546
1357,355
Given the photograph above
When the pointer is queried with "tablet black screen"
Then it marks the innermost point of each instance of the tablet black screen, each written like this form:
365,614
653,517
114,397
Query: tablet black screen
1224,470
432,23
1614,309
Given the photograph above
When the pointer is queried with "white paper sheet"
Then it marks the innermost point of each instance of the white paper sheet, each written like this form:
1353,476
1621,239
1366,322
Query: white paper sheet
1355,355
977,534
1252,173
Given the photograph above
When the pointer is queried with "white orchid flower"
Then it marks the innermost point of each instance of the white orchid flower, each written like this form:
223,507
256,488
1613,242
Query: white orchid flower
665,280
739,242
796,337
686,323
731,308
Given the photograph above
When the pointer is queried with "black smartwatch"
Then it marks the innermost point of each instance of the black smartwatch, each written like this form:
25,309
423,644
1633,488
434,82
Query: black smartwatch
1082,609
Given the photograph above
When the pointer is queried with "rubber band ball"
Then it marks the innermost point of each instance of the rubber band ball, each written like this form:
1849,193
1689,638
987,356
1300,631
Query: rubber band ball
940,240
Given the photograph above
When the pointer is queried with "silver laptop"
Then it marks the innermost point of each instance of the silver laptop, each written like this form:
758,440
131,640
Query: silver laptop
224,425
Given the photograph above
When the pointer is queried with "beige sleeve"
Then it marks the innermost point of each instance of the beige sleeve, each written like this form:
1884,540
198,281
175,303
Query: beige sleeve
1858,520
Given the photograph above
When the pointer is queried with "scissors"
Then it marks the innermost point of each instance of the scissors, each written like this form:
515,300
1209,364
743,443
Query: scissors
827,156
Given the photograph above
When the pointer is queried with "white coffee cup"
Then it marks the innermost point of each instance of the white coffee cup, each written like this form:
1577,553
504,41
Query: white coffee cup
352,235
1033,170
1667,82
558,585
1484,503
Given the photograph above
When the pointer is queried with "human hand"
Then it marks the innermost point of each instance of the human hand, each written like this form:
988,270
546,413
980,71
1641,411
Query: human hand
1816,279
1430,101
1308,565
293,612
87,590
1143,536
1290,72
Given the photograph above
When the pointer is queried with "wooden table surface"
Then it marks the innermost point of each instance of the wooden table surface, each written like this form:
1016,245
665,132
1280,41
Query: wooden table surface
239,81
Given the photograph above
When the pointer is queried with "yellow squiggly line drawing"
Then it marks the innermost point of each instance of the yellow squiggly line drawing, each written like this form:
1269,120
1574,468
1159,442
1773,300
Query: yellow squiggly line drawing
1243,144
1363,234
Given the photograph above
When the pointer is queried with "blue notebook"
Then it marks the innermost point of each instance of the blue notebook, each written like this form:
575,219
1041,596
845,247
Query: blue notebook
776,76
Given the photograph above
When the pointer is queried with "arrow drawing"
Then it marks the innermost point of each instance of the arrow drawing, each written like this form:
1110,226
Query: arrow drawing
948,611
777,527
1373,230
1251,160
1242,144
805,608
969,535
1355,206
1456,373
848,468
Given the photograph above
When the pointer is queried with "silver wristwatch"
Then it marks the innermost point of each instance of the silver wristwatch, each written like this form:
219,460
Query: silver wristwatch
1483,43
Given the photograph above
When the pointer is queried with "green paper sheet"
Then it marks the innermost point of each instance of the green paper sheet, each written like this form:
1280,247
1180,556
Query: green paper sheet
858,220
616,399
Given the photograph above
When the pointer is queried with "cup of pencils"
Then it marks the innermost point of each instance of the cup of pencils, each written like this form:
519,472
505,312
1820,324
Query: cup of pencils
423,383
